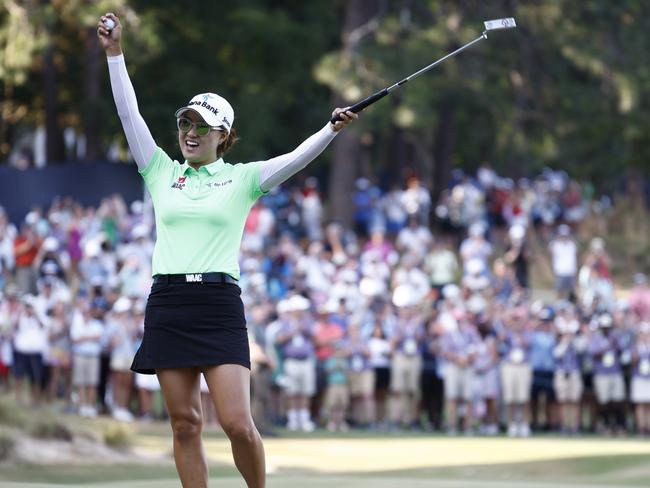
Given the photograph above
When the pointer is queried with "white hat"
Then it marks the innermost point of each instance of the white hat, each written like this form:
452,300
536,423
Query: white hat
297,303
122,305
281,307
517,232
213,109
404,296
330,306
451,291
564,230
50,244
139,231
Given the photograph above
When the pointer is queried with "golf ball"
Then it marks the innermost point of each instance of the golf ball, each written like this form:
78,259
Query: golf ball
109,24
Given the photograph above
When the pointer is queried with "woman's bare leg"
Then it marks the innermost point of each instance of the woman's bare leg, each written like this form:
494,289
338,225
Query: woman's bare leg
229,386
180,388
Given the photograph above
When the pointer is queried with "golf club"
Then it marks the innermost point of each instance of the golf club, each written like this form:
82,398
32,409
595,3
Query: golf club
490,25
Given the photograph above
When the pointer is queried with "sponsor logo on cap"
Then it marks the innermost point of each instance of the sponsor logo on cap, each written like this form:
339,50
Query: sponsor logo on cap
205,105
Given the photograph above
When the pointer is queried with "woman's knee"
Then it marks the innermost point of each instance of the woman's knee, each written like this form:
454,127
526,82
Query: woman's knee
239,428
187,425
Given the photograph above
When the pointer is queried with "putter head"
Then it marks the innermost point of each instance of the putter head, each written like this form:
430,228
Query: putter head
499,24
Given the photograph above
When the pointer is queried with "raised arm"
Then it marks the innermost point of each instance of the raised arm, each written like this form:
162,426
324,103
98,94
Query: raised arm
279,169
137,133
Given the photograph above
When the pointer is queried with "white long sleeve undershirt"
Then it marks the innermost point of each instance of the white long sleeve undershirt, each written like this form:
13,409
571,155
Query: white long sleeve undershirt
137,133
142,145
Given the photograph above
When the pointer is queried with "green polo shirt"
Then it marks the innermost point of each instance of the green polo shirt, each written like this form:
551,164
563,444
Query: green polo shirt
200,215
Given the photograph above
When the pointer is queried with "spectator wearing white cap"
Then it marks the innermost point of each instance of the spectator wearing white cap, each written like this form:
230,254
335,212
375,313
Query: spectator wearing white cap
475,246
516,371
567,381
297,344
606,351
486,367
640,386
543,341
49,263
92,267
406,366
59,355
86,333
361,377
30,345
120,333
564,262
459,347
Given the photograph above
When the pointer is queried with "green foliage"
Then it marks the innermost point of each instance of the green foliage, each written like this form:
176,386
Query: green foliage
566,88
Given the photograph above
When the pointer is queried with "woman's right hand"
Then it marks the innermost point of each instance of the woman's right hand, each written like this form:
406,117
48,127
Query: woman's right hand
110,40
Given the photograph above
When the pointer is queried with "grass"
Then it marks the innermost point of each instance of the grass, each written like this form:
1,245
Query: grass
325,460
374,461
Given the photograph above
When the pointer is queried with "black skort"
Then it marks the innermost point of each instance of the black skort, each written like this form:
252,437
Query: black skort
193,324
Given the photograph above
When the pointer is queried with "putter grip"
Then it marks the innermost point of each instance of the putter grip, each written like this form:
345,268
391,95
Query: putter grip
359,106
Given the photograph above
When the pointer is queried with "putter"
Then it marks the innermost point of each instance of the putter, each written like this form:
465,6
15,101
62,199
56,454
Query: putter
490,25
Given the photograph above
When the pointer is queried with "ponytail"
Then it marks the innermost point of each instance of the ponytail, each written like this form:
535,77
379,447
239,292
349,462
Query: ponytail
225,146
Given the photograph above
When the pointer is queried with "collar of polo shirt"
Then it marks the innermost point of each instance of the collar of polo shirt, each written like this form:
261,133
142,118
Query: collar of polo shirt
212,168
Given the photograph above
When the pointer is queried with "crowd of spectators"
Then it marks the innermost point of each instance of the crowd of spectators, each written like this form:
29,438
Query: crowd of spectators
419,316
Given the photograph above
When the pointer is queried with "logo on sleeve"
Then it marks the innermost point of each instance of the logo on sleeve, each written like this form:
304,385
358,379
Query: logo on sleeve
180,183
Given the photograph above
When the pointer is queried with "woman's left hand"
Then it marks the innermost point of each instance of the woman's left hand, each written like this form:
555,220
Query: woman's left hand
346,116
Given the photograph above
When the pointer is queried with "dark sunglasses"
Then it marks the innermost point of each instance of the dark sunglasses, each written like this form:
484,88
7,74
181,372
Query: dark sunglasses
202,129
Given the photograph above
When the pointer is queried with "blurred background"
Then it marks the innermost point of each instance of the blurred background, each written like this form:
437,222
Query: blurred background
469,257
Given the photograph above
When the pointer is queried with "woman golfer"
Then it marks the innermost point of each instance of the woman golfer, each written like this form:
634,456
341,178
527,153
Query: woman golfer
194,319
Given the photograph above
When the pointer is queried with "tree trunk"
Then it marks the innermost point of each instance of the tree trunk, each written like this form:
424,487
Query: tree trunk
54,148
91,95
445,138
347,147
